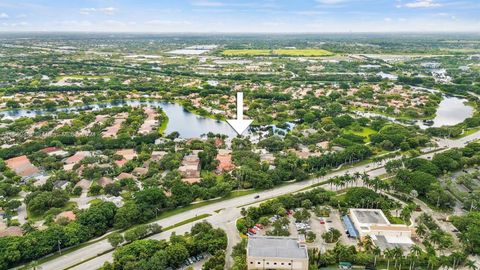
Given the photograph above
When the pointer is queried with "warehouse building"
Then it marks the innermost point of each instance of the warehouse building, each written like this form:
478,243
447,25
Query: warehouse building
276,253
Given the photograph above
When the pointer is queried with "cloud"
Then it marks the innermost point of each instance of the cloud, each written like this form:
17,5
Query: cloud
331,2
4,15
19,24
106,11
423,4
206,3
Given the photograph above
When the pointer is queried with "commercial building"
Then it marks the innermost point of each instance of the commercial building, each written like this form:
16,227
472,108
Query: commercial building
373,222
276,253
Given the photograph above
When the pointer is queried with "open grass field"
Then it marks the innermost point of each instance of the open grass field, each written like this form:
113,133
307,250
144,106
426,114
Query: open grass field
279,52
365,132
247,52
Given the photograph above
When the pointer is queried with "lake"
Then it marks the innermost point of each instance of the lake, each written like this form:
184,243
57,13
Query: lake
187,124
451,111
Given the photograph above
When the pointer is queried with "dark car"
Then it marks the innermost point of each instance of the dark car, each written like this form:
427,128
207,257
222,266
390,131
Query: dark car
256,196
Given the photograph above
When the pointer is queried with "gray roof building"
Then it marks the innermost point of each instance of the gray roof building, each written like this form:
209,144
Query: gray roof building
274,252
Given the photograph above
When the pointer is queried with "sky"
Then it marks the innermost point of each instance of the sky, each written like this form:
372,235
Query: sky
240,16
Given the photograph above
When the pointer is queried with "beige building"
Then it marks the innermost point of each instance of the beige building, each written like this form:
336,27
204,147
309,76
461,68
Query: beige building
374,223
276,253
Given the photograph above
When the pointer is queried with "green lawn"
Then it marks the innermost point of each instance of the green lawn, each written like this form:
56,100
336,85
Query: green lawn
279,52
365,132
95,201
33,217
190,220
163,126
247,52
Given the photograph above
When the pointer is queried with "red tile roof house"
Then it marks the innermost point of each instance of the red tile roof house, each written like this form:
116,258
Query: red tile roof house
21,166
11,231
77,157
127,154
104,181
84,184
69,215
124,175
224,158
54,151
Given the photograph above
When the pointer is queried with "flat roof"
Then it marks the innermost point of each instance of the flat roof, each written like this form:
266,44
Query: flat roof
382,243
370,216
274,246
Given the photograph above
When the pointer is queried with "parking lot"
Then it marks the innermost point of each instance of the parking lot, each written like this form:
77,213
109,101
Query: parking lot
318,225
195,262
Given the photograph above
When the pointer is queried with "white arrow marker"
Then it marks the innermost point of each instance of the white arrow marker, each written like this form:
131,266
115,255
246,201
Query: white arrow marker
239,124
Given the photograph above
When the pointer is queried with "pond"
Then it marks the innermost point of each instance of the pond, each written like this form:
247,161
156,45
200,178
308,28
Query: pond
187,124
451,111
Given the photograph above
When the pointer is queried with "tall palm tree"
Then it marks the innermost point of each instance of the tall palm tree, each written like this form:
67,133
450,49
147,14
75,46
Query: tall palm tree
421,230
471,265
357,176
415,252
389,254
457,257
433,262
397,254
376,252
368,243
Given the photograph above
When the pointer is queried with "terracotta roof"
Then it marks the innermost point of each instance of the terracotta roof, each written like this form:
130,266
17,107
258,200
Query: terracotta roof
77,157
68,215
84,184
22,166
225,162
103,181
11,231
127,154
121,162
50,149
124,175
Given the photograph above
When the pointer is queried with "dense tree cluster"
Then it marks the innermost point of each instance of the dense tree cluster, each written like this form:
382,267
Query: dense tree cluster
420,175
91,222
154,254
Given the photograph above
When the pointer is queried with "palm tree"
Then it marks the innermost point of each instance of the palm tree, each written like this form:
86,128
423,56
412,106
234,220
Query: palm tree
376,252
471,264
368,243
357,176
433,262
421,230
457,258
389,254
397,254
415,252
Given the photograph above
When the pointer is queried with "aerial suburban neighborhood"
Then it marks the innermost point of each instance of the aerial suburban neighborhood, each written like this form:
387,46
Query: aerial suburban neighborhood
172,147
